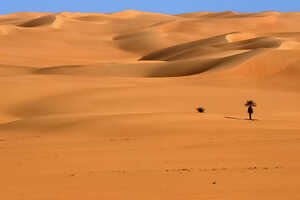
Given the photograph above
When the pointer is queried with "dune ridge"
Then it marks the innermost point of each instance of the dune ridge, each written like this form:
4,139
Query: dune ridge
132,35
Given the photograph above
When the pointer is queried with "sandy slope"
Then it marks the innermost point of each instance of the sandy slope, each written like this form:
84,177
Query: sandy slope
103,106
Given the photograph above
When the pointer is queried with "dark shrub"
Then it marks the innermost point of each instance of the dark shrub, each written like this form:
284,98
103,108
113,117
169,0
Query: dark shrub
201,110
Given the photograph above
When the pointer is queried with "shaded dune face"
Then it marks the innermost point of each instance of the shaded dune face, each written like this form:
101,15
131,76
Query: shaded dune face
41,21
211,46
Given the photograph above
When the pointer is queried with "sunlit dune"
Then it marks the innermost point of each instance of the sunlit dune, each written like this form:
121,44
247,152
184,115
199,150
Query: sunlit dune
106,105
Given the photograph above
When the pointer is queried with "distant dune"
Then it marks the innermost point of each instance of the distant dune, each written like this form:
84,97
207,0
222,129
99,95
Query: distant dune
45,39
41,21
104,106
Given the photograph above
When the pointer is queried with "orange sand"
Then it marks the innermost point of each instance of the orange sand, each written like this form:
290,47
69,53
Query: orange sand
103,106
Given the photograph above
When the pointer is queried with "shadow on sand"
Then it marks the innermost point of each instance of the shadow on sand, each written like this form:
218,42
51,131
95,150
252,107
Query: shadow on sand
237,118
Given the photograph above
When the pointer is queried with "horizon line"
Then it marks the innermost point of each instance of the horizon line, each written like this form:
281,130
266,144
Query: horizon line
224,11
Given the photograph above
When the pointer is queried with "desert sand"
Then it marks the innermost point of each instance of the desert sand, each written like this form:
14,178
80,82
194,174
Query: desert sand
103,106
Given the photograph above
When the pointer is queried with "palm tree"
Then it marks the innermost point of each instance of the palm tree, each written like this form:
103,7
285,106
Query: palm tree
250,104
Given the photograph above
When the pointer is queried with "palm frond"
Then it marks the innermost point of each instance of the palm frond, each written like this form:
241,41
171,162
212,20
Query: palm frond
250,103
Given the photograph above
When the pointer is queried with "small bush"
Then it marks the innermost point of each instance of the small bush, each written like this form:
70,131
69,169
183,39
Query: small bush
201,110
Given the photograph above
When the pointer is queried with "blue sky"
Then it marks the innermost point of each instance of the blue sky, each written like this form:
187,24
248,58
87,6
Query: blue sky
162,6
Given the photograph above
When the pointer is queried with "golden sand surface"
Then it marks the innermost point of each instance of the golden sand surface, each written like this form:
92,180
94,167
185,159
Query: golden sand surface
103,106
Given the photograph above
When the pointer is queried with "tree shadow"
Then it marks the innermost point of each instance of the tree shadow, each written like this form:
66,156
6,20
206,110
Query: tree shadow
238,118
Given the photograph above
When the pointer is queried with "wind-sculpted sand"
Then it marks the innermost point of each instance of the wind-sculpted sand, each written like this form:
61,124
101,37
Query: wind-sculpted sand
104,106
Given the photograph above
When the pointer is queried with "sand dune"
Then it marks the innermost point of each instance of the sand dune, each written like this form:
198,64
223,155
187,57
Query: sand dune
146,70
269,63
152,69
94,18
254,63
211,46
104,105
41,21
229,14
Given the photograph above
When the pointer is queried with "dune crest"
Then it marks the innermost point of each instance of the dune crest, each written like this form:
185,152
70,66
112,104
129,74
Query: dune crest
237,36
131,13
